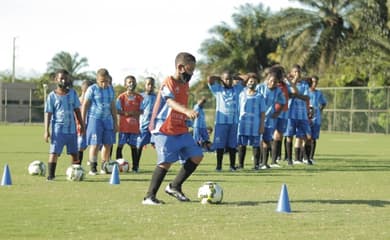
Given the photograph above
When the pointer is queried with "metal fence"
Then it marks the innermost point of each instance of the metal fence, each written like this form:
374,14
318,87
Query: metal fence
349,109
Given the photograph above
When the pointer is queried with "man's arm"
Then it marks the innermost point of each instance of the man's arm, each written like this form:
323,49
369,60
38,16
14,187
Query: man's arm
46,135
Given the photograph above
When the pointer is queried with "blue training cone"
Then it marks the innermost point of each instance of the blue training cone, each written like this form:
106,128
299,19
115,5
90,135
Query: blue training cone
115,175
284,202
6,180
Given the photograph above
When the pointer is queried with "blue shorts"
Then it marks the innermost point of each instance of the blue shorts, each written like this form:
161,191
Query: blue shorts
225,135
177,147
81,142
143,139
281,125
268,134
315,131
59,140
253,141
127,138
100,131
297,127
200,135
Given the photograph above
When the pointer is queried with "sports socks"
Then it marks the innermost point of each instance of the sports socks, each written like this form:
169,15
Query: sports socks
256,157
232,157
241,155
52,170
220,152
118,152
134,157
186,170
157,178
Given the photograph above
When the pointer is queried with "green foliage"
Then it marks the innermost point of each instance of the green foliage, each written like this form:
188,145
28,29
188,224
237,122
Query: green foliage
74,64
242,47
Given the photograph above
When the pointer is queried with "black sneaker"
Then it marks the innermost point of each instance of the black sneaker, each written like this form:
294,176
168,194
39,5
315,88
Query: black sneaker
179,195
151,201
49,178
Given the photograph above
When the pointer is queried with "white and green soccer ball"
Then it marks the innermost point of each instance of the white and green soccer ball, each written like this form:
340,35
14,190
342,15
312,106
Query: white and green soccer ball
37,168
123,165
75,172
210,192
108,167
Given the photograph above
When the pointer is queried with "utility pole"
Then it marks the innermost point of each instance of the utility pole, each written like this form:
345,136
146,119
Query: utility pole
13,60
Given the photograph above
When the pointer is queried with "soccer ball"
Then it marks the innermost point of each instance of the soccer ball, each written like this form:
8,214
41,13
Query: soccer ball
108,166
75,172
210,192
123,165
37,168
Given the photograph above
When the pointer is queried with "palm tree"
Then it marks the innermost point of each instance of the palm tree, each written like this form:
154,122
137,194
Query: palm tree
72,63
242,47
313,35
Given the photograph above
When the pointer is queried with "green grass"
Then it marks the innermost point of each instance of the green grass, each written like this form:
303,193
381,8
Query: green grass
346,195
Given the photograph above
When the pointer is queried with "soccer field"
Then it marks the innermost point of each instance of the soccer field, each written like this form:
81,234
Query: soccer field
345,195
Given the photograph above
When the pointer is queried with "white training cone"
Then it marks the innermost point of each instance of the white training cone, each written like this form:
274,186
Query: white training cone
115,175
284,202
6,180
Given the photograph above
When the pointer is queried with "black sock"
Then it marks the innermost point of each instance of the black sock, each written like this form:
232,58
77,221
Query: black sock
81,154
286,149
232,157
93,166
118,152
241,155
261,154
274,154
112,146
155,183
297,151
134,157
313,149
307,151
52,169
256,156
289,151
220,152
186,170
265,156
278,149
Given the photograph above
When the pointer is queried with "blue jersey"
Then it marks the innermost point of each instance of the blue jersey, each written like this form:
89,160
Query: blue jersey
317,99
147,110
271,97
62,108
297,108
251,107
226,103
200,121
100,101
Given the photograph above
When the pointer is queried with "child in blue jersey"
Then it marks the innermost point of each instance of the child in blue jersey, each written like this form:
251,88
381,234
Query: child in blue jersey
102,119
226,116
317,103
298,122
272,95
62,105
168,125
149,97
200,133
250,122
81,137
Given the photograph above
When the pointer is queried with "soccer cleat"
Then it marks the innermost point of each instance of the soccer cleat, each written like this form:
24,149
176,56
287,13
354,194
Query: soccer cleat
310,162
50,179
151,201
93,173
265,166
297,162
275,165
218,169
103,171
178,194
233,169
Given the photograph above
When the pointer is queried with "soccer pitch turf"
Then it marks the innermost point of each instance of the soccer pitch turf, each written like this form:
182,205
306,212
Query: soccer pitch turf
345,195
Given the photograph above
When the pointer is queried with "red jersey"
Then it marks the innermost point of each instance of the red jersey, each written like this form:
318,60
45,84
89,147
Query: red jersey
165,119
124,102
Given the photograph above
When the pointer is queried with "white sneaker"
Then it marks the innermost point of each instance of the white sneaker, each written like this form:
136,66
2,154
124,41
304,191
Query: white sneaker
275,166
297,162
92,173
103,172
152,201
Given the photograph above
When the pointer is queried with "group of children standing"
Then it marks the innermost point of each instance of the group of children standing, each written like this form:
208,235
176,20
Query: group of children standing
247,113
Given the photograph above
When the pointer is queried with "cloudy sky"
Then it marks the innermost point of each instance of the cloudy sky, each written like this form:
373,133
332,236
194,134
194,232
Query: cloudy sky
126,37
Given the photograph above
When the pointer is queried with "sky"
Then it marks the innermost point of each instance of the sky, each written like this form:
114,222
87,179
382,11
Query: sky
128,37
